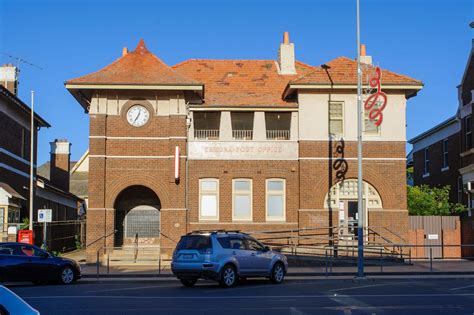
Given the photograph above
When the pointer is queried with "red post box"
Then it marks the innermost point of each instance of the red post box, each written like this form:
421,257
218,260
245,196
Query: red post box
25,236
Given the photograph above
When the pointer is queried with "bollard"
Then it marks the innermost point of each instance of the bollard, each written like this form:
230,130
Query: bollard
97,265
431,259
330,262
326,261
381,261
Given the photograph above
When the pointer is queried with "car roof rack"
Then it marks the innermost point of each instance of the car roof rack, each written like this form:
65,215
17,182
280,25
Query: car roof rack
215,231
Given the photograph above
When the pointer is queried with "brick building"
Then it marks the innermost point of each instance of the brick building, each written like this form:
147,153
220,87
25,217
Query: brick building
436,160
15,164
443,155
236,144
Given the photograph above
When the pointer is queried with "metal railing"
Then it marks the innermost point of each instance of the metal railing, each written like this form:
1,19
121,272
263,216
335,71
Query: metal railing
278,134
206,134
242,134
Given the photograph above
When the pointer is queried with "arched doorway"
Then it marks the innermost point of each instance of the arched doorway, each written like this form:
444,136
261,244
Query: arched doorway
137,216
343,197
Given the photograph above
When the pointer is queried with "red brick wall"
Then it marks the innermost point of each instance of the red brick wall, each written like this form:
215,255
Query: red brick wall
437,177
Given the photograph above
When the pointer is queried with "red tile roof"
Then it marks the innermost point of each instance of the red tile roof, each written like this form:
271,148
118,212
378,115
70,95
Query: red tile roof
139,67
343,70
241,82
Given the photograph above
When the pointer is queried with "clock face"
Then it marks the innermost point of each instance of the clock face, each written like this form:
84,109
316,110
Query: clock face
138,115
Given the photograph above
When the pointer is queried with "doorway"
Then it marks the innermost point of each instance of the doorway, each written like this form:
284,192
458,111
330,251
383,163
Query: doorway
137,217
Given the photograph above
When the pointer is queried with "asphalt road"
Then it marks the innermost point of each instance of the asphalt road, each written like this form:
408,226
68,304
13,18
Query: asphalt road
402,296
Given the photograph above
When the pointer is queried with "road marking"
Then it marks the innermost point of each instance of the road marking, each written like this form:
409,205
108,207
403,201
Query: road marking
245,297
136,288
460,288
368,286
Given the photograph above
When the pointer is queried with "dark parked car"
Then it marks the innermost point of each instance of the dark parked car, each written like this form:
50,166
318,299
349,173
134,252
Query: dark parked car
24,262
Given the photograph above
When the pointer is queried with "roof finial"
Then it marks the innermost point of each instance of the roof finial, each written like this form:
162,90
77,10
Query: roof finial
141,46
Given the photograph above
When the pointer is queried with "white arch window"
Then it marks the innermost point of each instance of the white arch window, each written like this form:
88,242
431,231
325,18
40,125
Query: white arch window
347,189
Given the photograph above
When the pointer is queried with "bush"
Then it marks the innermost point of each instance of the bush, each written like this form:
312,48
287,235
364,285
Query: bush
425,200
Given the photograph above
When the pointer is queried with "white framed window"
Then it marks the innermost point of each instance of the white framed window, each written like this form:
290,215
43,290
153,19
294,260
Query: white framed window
209,199
369,125
275,199
426,169
241,199
445,154
336,118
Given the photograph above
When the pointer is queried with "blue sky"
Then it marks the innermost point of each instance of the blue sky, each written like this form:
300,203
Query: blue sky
426,39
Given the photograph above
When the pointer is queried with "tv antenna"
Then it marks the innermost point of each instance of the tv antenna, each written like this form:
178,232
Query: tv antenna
19,62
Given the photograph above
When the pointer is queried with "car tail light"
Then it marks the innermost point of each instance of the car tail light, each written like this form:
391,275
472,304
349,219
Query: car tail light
205,251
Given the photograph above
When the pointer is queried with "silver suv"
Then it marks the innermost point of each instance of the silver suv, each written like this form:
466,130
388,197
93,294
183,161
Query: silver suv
225,256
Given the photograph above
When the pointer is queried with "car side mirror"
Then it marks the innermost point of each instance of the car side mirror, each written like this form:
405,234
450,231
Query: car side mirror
266,249
44,255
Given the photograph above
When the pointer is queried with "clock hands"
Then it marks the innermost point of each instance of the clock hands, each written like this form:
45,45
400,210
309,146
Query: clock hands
137,116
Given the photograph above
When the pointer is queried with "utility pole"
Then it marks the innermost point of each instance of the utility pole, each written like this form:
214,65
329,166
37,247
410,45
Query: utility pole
32,146
360,205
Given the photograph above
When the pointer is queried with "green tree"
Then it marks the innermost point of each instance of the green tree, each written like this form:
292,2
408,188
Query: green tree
425,200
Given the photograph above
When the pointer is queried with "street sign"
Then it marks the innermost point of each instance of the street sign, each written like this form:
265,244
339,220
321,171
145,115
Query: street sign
45,215
25,236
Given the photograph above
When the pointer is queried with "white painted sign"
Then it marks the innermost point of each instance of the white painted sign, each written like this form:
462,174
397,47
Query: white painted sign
45,215
432,236
241,150
12,230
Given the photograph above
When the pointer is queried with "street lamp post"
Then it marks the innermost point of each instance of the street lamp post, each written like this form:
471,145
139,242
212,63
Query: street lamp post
360,206
32,146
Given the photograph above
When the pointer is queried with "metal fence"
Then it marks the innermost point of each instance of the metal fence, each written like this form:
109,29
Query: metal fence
61,236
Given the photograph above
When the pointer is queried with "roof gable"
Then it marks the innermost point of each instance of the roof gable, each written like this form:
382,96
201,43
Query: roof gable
343,70
139,67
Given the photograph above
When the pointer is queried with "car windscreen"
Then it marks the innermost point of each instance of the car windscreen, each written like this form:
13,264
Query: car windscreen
194,242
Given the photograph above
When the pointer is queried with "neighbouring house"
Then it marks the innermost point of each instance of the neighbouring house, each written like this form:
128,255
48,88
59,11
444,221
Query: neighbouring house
15,166
436,160
254,145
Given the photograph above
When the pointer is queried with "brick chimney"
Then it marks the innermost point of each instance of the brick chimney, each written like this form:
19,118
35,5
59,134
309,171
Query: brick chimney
286,56
363,55
59,166
8,77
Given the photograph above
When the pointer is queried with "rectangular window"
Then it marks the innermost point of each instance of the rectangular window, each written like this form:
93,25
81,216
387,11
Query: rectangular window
336,119
427,162
242,199
445,154
206,125
275,200
242,125
209,199
369,125
278,126
468,132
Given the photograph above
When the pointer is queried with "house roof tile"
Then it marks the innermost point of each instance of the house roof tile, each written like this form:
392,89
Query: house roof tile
343,70
241,82
139,67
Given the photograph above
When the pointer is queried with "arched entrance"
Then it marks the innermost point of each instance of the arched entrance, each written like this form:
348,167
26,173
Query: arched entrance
137,216
343,197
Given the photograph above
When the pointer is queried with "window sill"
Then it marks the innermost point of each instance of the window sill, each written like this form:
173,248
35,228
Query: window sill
444,169
426,175
208,220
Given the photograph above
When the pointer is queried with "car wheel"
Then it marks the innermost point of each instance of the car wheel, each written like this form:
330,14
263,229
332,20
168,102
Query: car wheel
228,276
66,276
188,282
278,273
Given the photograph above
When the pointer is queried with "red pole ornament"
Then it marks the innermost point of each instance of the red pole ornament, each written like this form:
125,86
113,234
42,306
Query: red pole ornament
379,97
